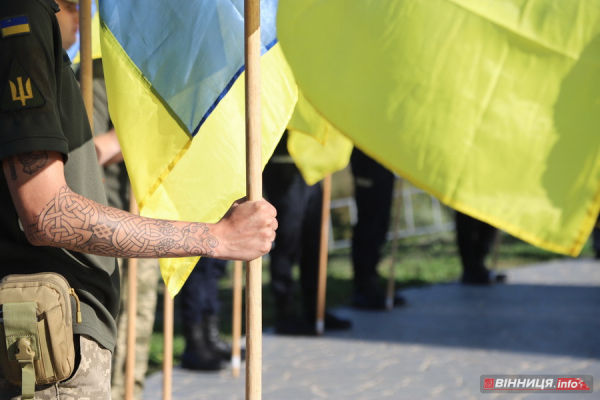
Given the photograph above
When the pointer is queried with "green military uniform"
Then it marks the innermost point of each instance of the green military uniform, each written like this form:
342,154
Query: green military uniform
41,109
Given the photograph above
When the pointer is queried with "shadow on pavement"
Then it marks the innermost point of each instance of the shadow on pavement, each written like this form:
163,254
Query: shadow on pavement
559,320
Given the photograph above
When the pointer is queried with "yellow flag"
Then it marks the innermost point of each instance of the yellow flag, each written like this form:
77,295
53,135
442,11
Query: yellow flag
493,106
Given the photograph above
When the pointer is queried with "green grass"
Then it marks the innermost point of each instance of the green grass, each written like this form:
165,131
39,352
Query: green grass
419,261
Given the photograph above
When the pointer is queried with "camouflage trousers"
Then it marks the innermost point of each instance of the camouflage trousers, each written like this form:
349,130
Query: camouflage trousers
90,381
148,274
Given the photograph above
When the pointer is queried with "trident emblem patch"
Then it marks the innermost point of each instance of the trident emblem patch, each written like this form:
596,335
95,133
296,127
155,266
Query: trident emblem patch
20,91
17,91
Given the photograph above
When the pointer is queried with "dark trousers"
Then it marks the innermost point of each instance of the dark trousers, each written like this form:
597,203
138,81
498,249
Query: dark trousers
200,293
299,215
474,239
596,238
373,189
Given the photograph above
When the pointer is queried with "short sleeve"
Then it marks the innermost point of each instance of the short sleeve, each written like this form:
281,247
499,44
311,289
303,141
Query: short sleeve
30,78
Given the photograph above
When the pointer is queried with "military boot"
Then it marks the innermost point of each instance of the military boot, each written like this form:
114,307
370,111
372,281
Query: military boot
214,341
198,355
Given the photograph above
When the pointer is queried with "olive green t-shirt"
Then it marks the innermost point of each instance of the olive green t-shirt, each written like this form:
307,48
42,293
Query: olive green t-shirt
41,109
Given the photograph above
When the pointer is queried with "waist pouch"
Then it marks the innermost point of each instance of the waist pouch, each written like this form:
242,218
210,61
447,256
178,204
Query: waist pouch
36,330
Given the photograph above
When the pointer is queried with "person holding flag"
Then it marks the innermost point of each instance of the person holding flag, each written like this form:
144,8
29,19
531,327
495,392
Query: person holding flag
55,215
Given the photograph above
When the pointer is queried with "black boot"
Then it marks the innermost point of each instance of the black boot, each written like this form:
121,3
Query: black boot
214,341
289,322
331,323
198,355
369,294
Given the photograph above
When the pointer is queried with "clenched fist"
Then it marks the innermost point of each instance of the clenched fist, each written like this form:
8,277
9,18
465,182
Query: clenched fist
247,230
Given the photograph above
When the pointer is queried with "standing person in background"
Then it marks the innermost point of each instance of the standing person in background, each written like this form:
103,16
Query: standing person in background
373,190
596,238
55,217
298,241
475,240
118,190
200,306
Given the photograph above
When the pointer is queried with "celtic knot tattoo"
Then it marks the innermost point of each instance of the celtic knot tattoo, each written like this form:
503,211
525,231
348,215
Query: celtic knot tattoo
76,223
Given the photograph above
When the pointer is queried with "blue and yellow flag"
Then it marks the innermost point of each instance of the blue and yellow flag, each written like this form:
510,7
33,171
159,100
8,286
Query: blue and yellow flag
175,79
493,106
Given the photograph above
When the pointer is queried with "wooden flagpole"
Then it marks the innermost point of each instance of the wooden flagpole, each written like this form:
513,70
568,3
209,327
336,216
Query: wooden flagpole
254,192
132,264
323,255
236,328
85,57
389,304
168,322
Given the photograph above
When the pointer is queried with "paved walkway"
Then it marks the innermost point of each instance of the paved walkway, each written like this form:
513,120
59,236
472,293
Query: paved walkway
545,320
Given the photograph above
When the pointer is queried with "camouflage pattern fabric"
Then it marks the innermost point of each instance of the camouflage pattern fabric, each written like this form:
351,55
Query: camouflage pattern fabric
147,285
91,380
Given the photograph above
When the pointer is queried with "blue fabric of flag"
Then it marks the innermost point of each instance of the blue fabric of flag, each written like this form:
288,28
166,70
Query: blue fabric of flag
211,33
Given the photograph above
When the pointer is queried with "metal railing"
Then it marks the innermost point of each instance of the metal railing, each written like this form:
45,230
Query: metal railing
429,219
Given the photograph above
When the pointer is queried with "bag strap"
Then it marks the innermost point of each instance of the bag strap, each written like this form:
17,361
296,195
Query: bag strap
20,329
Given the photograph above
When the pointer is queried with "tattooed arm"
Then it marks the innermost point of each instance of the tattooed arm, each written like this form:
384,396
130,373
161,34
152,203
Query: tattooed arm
53,215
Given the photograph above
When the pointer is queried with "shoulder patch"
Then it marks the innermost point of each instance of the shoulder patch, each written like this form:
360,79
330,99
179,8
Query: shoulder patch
20,92
13,26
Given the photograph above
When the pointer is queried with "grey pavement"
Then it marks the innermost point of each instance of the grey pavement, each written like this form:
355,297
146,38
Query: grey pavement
544,320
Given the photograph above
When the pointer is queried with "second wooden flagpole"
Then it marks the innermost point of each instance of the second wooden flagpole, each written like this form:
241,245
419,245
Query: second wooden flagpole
389,301
254,192
132,265
85,57
323,253
168,321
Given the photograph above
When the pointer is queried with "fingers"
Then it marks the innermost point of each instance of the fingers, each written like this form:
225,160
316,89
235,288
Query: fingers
248,229
239,201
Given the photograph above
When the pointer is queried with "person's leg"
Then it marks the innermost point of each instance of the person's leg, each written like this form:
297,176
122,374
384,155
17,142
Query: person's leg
309,260
596,238
148,279
475,239
117,381
148,275
214,270
286,191
199,299
373,189
91,380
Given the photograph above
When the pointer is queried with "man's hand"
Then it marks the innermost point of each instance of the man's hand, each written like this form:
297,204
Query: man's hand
247,230
108,148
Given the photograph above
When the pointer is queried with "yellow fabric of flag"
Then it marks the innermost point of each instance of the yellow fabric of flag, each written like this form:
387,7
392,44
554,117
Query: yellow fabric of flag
493,106
317,148
185,150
